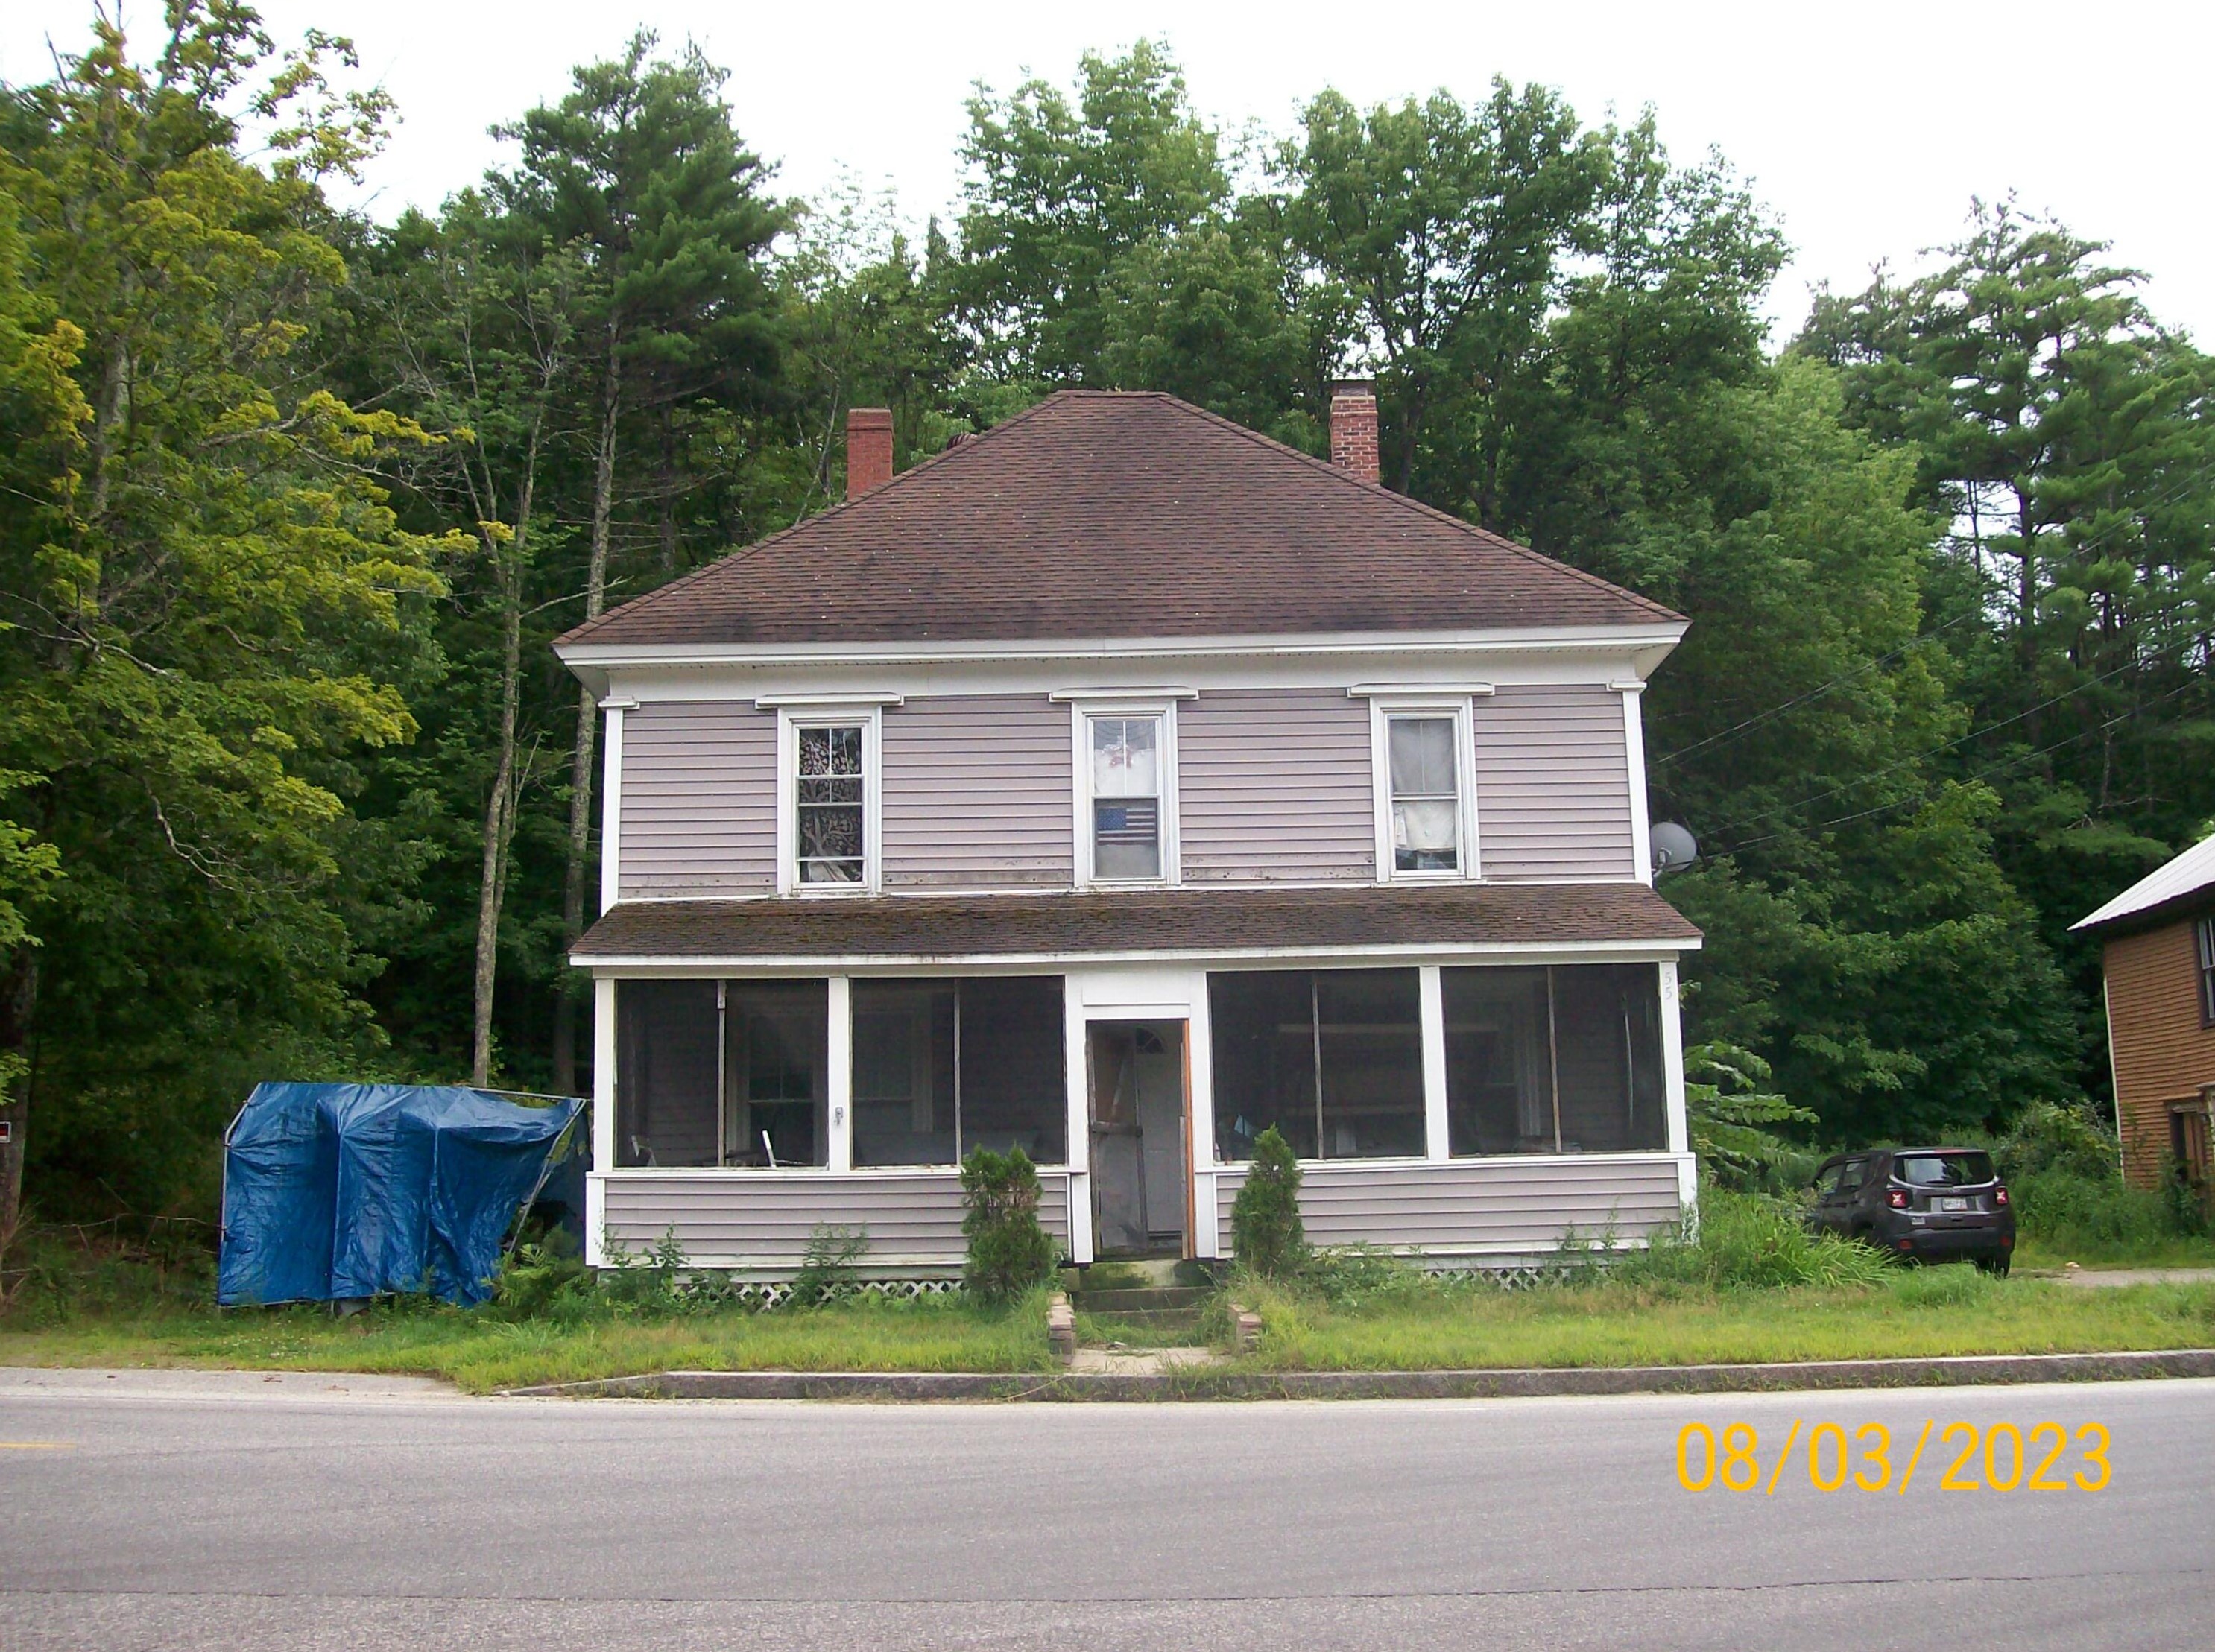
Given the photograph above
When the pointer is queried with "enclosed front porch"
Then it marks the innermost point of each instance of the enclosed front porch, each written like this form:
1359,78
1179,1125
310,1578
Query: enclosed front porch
1469,1113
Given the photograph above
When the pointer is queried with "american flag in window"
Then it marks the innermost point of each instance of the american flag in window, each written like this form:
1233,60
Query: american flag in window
1126,797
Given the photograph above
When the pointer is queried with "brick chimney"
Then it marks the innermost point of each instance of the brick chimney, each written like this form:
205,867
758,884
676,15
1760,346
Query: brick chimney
869,449
1353,427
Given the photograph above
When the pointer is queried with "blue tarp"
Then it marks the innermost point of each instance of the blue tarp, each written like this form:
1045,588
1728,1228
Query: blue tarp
339,1191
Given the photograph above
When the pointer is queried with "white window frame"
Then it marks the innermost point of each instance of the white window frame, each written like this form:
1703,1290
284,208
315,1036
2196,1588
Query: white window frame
1081,715
1382,711
791,718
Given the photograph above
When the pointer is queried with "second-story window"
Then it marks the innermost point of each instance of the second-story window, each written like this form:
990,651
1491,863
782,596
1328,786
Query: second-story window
831,804
1126,797
1424,777
2206,928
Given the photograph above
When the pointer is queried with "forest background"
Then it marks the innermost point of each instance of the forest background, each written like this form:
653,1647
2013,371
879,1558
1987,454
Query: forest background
291,503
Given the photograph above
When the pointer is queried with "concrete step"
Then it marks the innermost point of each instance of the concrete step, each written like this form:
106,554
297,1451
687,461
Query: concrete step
1150,1318
1130,1300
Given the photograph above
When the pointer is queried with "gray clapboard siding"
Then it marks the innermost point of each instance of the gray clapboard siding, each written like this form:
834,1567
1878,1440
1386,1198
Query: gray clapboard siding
698,811
976,790
1474,1206
760,1224
1276,786
1553,783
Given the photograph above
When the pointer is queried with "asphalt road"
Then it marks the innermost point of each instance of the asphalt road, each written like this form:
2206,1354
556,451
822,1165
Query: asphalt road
302,1517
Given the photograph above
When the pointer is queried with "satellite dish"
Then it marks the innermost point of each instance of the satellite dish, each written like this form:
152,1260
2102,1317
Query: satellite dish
1673,846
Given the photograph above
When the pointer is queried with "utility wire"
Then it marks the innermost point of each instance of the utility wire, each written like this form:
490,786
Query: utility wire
1986,773
1948,745
2181,490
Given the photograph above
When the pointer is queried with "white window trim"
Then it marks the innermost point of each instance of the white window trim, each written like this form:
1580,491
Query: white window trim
790,717
1382,710
1081,713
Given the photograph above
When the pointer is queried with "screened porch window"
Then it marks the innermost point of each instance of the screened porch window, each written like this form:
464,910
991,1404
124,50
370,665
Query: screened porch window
943,1067
1560,1059
1332,1058
721,1074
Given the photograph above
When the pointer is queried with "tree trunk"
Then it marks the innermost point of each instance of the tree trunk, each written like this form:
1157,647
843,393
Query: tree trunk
18,991
500,816
580,760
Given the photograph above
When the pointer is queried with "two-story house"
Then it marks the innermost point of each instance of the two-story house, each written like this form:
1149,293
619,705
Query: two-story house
1117,784
2157,954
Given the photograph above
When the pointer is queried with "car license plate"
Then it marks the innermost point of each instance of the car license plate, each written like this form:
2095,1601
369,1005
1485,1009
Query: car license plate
1951,1204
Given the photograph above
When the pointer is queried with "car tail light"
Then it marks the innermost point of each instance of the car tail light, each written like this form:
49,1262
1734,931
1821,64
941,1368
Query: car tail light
1999,1198
1897,1198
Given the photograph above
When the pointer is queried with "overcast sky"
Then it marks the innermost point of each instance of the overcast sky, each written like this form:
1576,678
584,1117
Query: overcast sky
1867,127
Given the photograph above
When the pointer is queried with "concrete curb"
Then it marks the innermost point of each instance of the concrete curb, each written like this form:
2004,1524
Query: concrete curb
1204,1384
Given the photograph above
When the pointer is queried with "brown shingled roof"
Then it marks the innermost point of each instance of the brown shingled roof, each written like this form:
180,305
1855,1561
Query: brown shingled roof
1135,922
1118,514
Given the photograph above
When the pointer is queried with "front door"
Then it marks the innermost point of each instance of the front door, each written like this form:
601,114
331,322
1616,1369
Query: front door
1141,1187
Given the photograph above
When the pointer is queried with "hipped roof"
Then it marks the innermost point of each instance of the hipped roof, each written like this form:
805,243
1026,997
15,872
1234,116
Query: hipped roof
1118,514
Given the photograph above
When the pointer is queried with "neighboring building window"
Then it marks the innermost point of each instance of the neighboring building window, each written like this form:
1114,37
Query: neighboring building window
1128,765
1424,777
2206,928
721,1074
1332,1058
1559,1059
831,803
944,1067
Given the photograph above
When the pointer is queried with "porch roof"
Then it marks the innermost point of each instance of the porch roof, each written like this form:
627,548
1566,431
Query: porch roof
1123,923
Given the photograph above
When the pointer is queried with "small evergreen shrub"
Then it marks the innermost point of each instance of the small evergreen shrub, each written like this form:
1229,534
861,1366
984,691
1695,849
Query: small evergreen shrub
1266,1229
1009,1251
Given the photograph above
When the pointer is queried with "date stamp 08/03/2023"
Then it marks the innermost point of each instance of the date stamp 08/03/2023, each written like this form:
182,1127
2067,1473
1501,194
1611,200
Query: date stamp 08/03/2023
1962,1456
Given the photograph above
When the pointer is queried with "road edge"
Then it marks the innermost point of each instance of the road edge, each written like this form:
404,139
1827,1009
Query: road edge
924,1387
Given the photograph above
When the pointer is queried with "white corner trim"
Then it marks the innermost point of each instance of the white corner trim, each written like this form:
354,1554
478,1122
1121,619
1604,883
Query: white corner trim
1065,696
619,703
1634,752
612,760
1416,690
825,701
1672,1058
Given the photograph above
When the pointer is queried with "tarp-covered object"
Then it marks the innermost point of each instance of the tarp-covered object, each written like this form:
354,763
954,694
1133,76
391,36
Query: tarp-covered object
333,1191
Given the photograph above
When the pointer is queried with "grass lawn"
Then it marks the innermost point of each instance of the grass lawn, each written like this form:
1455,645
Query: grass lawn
480,1353
2033,1251
1925,1311
1936,1311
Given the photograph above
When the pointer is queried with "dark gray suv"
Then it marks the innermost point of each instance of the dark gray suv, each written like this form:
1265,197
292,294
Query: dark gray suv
1927,1204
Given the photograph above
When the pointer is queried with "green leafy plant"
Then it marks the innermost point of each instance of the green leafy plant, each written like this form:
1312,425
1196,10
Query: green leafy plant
1009,1251
1751,1241
1349,1275
1731,1118
826,1271
2049,1137
1266,1229
544,1278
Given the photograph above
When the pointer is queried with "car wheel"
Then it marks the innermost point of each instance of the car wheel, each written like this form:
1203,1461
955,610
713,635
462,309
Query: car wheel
1996,1266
